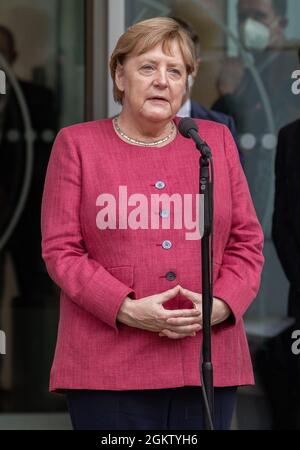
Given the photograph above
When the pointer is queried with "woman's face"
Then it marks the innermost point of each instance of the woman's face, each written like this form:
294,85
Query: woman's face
153,83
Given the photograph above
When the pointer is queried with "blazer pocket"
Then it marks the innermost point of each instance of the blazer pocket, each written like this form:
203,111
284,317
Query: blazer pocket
123,274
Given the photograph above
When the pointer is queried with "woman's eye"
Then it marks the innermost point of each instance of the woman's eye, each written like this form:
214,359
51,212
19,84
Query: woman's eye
175,71
147,68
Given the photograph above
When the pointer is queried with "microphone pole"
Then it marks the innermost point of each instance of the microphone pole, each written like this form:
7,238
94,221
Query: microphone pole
189,129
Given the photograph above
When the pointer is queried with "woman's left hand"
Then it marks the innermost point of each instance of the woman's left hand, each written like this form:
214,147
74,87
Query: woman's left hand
220,312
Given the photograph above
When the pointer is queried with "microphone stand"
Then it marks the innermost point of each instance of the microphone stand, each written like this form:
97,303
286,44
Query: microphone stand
206,189
189,129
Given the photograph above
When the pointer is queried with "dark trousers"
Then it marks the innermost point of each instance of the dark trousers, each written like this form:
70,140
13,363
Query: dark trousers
156,409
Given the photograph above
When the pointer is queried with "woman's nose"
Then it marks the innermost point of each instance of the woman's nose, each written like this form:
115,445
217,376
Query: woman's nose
161,78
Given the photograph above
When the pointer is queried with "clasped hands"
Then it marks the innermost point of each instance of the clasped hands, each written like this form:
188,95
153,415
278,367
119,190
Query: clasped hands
149,314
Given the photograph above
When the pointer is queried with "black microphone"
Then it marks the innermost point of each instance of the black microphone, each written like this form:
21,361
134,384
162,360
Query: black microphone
189,129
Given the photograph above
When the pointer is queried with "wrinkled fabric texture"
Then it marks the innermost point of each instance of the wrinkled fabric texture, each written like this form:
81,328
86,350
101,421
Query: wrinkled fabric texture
97,268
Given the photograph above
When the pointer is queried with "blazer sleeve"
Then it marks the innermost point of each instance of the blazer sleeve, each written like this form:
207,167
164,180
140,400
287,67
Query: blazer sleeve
82,278
283,233
239,277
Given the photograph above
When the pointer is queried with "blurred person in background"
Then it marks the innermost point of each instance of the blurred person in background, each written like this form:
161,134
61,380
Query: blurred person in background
228,80
34,287
261,25
24,243
259,113
191,108
286,237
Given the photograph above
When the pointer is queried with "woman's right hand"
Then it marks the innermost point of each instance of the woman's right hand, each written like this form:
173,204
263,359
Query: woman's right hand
149,314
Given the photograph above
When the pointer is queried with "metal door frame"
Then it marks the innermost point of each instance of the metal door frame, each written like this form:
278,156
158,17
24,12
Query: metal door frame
105,22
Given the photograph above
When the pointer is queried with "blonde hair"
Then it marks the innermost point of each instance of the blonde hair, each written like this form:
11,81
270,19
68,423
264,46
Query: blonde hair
143,36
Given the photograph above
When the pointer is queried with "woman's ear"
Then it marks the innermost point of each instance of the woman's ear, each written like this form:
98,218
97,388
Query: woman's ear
119,77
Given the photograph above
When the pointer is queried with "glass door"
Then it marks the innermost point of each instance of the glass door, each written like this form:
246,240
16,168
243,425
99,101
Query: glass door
42,45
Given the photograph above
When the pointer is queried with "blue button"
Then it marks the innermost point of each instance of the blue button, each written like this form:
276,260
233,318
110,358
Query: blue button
160,185
164,213
166,245
171,276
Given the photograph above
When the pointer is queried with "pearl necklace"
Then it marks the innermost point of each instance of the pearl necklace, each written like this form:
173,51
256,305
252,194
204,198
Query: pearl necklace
137,142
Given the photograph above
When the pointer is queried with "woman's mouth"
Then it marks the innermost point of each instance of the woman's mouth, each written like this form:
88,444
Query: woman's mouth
158,100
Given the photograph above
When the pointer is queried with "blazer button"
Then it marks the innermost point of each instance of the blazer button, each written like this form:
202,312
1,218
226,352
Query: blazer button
160,185
166,245
164,213
170,276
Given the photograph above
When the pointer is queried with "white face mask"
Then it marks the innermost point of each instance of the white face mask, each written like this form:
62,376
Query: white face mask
255,35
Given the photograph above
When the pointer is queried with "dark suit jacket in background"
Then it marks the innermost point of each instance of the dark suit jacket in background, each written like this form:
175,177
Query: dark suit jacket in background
276,364
286,217
199,112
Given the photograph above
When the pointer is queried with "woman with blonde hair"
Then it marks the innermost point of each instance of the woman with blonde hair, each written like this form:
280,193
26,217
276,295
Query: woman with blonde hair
129,337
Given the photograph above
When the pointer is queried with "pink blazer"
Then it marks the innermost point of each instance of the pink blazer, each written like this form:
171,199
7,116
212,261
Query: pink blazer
97,268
